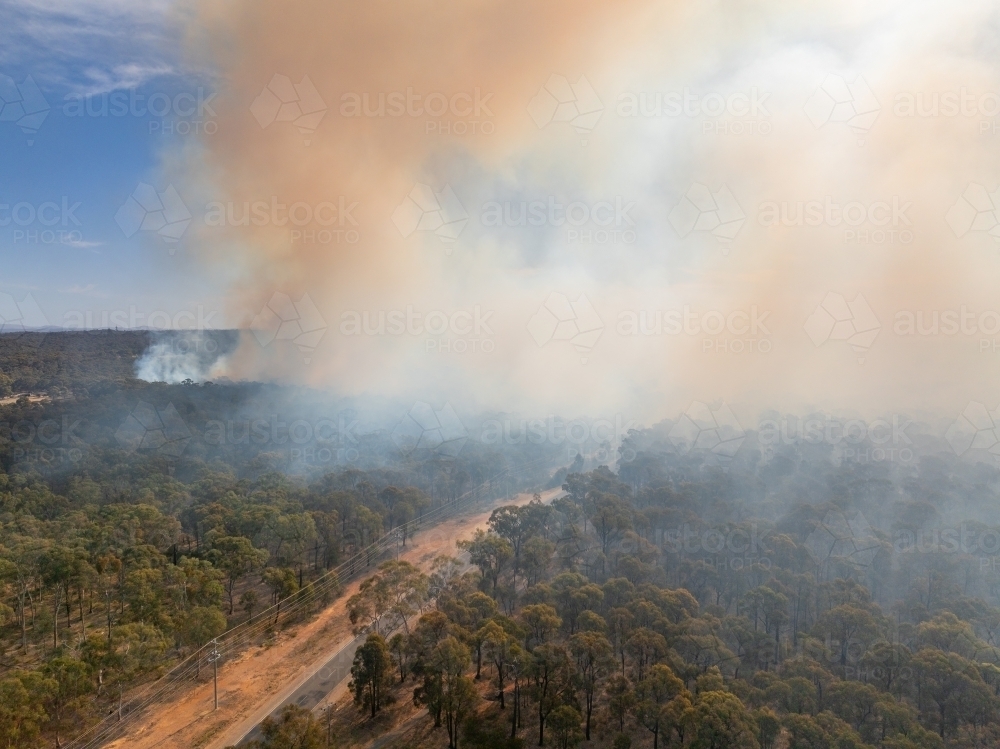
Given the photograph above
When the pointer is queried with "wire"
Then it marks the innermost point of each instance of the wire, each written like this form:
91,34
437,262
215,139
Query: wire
239,638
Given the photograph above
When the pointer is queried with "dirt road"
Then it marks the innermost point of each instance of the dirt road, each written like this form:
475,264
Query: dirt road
265,678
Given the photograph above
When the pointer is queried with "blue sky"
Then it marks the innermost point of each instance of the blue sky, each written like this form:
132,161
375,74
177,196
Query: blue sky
74,258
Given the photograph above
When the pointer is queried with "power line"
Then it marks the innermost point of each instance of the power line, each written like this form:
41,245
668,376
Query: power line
240,637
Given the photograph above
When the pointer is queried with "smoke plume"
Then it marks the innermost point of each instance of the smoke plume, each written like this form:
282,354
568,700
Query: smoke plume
765,201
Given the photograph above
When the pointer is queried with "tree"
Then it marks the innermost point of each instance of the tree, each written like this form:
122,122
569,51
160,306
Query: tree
237,557
536,558
498,645
459,701
471,613
565,724
72,681
551,672
282,582
490,553
371,674
399,647
653,694
22,695
846,623
621,698
824,731
136,650
646,647
854,703
408,588
719,720
513,524
458,695
768,727
949,688
398,590
295,728
200,625
519,665
610,519
56,565
248,601
593,658
886,661
540,620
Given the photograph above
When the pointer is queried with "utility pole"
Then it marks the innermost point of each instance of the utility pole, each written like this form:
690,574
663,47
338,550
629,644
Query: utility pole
328,714
214,657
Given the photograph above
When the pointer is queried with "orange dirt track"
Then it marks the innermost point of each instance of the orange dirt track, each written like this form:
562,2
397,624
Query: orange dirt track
260,680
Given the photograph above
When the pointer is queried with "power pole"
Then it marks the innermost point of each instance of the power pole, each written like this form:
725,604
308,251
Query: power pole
328,714
214,657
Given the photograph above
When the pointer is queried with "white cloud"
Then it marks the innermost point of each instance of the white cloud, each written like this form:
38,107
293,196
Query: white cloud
82,244
80,44
89,290
120,77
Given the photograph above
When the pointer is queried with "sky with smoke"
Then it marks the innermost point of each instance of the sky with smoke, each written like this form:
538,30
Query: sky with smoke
575,206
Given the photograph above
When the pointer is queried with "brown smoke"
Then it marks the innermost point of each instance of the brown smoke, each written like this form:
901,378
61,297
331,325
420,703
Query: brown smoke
508,50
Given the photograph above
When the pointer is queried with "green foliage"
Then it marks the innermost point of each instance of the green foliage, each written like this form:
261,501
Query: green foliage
671,600
295,728
564,723
371,674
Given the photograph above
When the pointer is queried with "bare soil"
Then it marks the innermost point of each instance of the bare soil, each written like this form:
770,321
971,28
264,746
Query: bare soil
260,680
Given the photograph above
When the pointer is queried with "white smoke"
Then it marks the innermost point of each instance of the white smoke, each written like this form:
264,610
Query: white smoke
174,357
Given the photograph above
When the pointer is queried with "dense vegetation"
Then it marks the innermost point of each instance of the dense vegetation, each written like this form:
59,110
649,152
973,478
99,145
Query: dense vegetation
689,606
137,522
61,361
784,598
